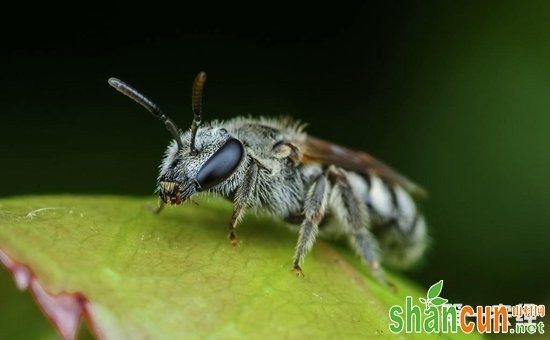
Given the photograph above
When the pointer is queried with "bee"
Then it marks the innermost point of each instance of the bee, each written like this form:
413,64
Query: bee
272,165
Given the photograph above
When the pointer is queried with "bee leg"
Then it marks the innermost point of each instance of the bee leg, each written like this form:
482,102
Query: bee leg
314,210
353,216
155,210
242,199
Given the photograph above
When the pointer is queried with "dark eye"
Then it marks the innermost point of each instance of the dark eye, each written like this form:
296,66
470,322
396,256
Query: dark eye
221,165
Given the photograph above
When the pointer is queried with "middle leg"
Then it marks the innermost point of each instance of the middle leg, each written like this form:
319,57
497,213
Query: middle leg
314,210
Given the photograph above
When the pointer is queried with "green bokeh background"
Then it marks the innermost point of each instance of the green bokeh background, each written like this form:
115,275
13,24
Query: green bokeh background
454,95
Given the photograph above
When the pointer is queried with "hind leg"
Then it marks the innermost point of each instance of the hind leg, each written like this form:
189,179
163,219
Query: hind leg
354,219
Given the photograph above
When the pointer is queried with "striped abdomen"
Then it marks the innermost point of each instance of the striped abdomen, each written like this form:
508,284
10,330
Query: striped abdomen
394,219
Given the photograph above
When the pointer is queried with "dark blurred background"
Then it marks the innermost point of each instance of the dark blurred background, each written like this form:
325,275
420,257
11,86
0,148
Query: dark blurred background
454,95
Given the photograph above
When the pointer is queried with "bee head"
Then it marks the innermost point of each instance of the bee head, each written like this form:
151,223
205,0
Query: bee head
184,172
196,160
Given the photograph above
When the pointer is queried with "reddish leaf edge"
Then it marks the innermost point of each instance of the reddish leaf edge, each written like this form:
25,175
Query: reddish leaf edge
65,310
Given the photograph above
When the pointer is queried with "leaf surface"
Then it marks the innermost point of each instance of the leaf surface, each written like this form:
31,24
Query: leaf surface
138,275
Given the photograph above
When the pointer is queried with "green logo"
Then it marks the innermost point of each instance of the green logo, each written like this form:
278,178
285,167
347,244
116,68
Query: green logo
432,298
439,317
436,317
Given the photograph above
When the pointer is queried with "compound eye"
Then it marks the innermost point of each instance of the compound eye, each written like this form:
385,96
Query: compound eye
221,165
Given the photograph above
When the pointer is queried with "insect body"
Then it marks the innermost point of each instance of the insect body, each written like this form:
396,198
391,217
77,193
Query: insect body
273,165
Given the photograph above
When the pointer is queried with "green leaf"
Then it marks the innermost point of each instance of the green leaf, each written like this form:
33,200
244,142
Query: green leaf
435,289
139,275
422,300
439,301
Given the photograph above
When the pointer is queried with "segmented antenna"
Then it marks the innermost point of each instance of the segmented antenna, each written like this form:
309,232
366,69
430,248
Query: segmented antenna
139,98
196,99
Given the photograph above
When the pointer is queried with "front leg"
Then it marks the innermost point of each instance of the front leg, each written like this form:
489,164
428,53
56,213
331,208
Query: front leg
242,199
314,210
155,210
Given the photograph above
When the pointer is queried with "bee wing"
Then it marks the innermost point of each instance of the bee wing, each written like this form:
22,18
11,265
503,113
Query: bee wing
316,150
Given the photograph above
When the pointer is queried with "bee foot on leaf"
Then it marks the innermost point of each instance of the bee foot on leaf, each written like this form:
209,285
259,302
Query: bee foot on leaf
392,287
298,271
233,239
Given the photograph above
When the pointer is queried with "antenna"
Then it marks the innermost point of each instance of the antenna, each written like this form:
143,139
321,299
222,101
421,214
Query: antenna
196,99
134,94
